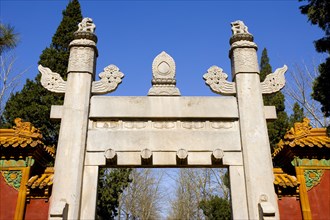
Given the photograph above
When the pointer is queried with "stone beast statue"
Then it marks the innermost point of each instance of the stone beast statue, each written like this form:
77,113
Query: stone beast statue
238,27
86,25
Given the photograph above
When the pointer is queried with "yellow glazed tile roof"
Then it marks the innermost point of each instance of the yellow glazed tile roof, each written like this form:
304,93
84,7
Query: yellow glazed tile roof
284,180
303,135
23,135
41,181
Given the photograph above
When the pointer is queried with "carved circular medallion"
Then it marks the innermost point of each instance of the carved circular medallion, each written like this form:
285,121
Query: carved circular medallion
163,68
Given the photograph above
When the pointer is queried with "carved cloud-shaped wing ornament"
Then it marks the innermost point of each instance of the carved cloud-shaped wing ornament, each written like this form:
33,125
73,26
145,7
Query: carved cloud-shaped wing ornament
274,82
51,81
110,79
217,80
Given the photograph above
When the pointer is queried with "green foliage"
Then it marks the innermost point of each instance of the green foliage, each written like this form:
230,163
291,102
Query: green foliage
112,182
216,208
8,37
297,115
318,12
321,85
33,102
277,128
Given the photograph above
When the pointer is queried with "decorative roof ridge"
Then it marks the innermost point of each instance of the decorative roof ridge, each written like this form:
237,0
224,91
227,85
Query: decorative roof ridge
302,134
299,130
22,129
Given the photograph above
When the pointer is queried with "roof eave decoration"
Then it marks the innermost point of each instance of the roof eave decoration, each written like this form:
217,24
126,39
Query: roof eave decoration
303,141
285,184
39,186
25,139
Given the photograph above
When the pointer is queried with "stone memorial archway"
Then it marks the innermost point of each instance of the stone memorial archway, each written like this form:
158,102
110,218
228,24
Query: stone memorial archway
163,129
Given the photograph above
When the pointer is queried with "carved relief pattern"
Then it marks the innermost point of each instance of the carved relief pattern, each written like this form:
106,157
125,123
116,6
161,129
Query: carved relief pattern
193,125
83,42
243,43
135,124
274,81
13,178
51,81
167,125
111,77
220,125
312,177
217,80
164,124
245,60
81,59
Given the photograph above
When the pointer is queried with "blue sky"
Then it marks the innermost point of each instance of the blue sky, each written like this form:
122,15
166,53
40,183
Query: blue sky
195,33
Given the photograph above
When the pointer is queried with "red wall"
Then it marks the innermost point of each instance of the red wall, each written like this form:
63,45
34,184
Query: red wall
289,208
8,200
36,209
319,198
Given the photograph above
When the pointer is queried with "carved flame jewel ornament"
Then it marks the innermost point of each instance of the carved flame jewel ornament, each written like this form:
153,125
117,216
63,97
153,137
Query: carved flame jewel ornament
163,76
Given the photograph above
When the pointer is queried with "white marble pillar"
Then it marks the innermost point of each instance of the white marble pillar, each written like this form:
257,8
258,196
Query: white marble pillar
66,194
238,193
261,197
89,192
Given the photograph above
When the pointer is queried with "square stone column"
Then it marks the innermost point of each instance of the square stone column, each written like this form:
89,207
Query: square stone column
261,197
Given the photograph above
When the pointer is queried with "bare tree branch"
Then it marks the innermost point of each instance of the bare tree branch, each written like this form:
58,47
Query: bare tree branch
9,78
299,89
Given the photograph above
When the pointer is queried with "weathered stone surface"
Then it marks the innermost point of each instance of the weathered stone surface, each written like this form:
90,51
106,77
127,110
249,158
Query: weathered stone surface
168,139
253,129
163,107
69,164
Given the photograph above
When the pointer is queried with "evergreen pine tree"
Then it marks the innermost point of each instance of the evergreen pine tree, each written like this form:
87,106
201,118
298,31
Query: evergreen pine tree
297,115
112,183
277,128
8,37
216,208
33,102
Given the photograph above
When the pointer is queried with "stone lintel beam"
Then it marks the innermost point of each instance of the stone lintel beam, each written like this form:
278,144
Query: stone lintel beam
165,158
163,107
